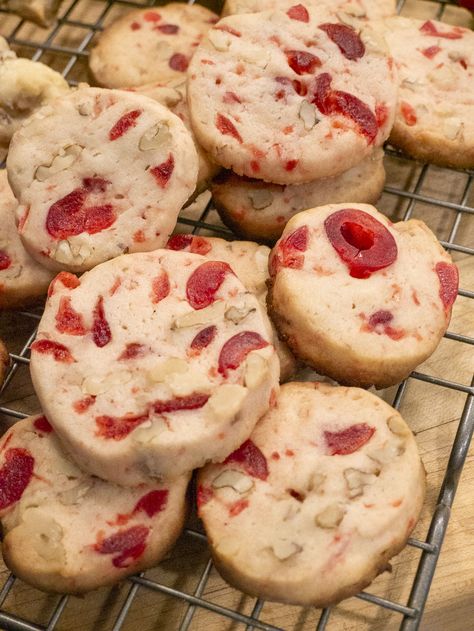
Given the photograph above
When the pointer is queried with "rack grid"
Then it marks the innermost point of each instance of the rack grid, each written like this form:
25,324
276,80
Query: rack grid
71,57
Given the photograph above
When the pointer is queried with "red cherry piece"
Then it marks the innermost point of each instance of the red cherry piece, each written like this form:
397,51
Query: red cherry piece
167,29
135,26
348,440
408,113
160,287
5,260
126,122
237,507
251,458
65,218
95,184
363,243
98,218
118,427
43,425
381,114
132,351
338,102
346,39
82,405
428,28
204,283
298,12
431,52
380,323
448,283
380,317
65,278
302,62
179,404
59,352
227,127
151,16
228,29
129,543
204,494
179,241
236,349
152,503
101,333
178,62
15,475
163,171
204,338
68,320
288,251
231,97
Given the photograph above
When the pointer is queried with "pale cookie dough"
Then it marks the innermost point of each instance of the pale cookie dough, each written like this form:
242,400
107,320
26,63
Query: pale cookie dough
42,12
291,97
97,174
360,299
153,364
361,9
173,96
69,532
435,114
258,210
25,86
22,279
313,506
250,262
147,45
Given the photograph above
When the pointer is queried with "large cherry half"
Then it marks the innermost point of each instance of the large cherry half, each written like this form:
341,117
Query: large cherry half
363,243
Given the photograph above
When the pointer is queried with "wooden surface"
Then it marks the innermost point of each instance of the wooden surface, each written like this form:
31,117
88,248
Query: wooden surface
433,413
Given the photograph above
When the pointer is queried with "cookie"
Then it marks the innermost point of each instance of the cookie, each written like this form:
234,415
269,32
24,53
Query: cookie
99,174
258,210
22,279
148,45
69,532
4,362
250,262
360,9
291,97
336,474
435,114
25,86
42,12
360,299
153,364
173,97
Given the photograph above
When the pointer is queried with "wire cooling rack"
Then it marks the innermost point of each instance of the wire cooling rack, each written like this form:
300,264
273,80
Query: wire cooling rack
71,60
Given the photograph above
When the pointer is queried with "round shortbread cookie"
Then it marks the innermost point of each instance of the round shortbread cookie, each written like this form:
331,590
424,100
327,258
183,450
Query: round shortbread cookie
435,114
42,12
259,210
25,86
337,476
173,96
69,532
361,9
22,279
291,97
144,369
98,174
360,299
250,262
147,45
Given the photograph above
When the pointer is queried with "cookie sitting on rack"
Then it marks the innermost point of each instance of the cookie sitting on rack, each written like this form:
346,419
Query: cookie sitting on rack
42,12
360,9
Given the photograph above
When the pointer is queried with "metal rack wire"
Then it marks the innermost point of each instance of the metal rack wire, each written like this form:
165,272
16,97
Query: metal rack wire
411,612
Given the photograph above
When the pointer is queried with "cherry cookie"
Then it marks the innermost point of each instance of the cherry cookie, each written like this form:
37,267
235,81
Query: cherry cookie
69,532
258,210
360,9
435,115
173,96
250,262
22,279
148,45
102,173
358,298
336,474
145,369
290,97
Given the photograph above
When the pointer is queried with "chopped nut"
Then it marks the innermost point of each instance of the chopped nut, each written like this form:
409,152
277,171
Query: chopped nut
170,96
255,371
453,128
43,534
284,549
63,253
353,9
374,42
234,479
412,84
214,312
99,385
149,432
65,158
219,39
307,113
356,480
156,136
444,78
260,198
193,380
397,425
75,494
85,108
330,517
387,453
169,366
315,482
226,401
238,313
455,55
